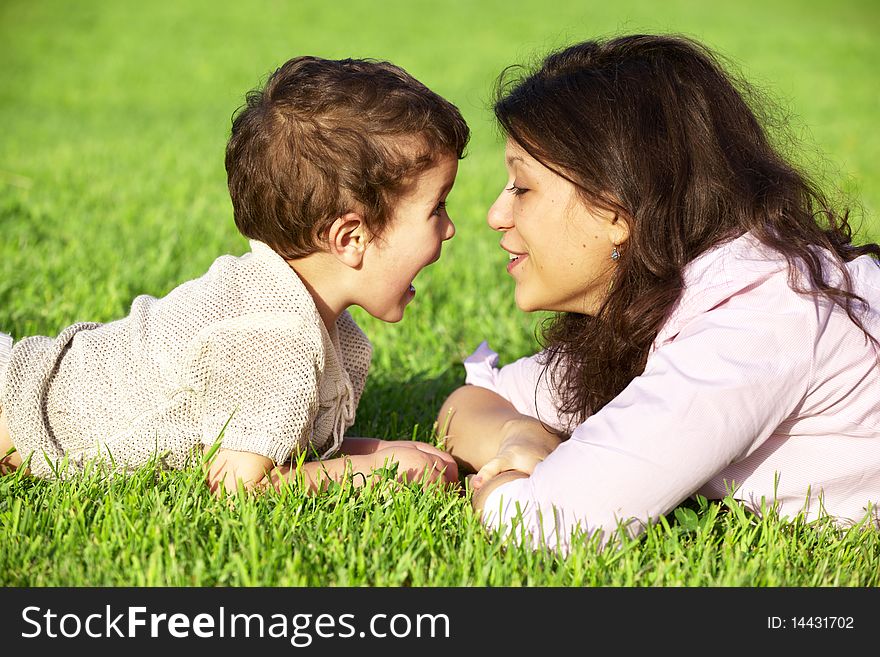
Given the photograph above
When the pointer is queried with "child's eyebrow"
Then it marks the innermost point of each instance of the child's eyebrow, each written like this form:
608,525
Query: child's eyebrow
515,158
446,188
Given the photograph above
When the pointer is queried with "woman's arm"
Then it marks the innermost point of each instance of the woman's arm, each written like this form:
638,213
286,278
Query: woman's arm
482,430
705,400
478,501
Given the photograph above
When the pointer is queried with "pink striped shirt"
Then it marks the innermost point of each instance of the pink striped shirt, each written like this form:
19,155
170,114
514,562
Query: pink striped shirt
749,388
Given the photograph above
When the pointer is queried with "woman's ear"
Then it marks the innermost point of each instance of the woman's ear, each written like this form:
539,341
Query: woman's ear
618,229
347,239
608,211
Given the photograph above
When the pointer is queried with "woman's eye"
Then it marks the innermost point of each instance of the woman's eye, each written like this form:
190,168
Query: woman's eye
517,191
441,207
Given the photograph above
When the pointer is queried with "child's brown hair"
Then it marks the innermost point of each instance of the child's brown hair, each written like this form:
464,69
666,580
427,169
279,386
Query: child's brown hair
325,137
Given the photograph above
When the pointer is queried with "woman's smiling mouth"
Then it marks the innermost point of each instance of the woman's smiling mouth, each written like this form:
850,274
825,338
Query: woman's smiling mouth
515,259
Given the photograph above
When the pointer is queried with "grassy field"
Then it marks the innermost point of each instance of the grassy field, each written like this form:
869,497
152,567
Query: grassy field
115,116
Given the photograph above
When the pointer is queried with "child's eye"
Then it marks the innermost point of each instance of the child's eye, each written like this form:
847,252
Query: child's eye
517,191
441,207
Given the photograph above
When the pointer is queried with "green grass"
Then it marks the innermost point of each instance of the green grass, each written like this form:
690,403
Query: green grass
164,529
115,116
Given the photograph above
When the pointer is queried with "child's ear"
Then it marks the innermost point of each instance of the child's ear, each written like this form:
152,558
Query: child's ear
347,239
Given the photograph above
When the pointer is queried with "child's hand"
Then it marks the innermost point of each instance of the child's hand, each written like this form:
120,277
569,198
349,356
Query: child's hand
449,463
370,446
229,467
416,460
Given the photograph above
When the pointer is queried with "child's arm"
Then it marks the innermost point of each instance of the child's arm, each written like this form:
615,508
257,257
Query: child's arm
414,460
352,446
256,471
362,446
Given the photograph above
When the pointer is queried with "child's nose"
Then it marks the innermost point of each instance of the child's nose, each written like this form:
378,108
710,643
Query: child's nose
450,230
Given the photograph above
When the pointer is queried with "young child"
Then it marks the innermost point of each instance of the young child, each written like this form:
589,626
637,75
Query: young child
338,172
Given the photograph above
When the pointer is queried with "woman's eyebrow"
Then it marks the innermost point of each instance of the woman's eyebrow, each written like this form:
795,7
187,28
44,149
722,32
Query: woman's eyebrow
515,158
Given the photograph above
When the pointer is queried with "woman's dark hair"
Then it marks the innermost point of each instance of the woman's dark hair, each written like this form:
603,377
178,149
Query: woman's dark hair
653,128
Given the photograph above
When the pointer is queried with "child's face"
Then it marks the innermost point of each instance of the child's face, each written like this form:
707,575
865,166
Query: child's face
415,234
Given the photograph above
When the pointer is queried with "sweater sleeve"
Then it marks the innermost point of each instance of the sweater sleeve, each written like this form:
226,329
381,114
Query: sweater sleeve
708,398
524,383
257,380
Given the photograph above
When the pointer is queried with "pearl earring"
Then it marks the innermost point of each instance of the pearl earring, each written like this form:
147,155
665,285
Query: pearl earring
615,254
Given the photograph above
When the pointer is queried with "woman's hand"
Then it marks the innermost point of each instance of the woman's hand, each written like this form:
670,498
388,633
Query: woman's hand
526,443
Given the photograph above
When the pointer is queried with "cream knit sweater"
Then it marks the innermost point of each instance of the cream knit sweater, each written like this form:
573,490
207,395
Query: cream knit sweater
240,355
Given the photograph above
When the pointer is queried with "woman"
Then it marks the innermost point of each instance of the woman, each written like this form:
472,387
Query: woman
717,329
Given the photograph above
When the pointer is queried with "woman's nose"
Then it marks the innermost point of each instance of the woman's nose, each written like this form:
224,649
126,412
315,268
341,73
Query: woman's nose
500,216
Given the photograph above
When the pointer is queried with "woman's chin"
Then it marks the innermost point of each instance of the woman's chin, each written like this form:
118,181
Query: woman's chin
534,305
526,305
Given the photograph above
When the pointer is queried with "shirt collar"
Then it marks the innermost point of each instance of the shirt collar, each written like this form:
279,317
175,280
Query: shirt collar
716,275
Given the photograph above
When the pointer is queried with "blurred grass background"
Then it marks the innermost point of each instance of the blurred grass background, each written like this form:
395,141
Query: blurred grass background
115,115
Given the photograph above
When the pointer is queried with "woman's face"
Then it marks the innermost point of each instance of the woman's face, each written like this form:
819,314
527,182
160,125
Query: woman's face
560,249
